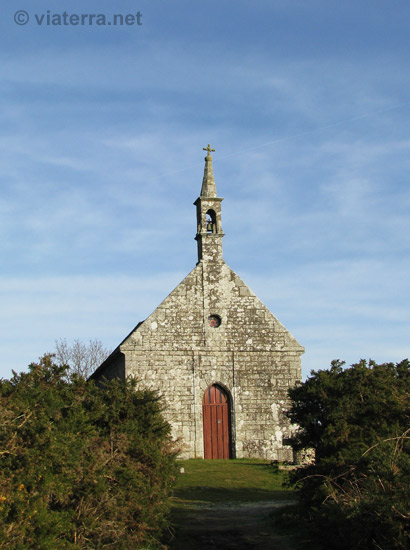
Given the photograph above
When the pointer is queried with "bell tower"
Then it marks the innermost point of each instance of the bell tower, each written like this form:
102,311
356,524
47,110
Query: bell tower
208,214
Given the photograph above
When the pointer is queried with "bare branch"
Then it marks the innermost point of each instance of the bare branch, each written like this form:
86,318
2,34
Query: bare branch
81,358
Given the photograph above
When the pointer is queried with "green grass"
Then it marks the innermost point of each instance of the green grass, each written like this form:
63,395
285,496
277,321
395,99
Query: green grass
207,487
212,481
211,496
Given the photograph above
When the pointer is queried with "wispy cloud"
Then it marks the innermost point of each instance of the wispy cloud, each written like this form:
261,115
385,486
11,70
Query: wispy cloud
101,157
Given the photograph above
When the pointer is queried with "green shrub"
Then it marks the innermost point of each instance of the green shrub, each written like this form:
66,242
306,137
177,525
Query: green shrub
81,466
357,493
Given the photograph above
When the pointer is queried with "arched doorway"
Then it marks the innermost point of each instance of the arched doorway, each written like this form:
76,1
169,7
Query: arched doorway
216,415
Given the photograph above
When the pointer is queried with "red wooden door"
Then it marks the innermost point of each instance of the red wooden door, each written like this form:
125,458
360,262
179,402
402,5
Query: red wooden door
215,408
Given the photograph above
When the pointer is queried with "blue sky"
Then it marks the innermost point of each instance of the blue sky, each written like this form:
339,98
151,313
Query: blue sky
307,104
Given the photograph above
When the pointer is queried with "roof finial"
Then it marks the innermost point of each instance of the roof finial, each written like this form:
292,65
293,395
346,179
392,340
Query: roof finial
209,150
208,182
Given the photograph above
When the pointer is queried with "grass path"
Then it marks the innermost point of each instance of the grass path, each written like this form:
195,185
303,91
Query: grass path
227,504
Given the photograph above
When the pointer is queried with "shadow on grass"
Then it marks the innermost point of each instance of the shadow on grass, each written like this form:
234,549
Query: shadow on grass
293,521
208,495
227,505
237,519
267,467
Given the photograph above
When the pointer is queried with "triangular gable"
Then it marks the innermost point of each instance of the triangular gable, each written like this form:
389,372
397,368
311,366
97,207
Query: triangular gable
181,320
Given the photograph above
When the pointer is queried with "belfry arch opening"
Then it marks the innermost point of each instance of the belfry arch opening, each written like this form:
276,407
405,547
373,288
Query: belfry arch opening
216,423
211,226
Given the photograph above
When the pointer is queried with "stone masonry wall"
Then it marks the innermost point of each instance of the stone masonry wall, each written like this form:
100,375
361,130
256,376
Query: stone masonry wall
251,355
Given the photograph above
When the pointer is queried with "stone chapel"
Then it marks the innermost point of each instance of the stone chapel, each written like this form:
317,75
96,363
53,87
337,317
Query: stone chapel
222,362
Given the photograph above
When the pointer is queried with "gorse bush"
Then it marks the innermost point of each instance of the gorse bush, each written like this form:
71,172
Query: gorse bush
357,493
82,466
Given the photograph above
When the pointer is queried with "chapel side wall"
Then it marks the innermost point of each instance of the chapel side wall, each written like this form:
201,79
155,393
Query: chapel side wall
114,367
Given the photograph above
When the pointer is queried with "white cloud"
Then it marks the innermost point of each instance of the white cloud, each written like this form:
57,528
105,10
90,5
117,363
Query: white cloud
100,155
37,311
344,309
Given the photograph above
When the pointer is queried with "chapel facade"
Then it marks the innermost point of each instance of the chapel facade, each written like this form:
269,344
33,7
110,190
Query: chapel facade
219,358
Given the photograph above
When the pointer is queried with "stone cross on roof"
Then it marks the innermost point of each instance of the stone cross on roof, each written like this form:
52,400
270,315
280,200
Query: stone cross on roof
208,149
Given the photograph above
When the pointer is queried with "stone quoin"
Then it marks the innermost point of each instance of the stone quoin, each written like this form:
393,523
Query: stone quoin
219,358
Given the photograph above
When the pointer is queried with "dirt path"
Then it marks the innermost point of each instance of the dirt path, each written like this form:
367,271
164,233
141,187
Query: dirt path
225,526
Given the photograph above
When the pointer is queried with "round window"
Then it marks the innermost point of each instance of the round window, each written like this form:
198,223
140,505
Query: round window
214,321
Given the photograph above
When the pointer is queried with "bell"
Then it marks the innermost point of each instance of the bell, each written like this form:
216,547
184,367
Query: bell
209,227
